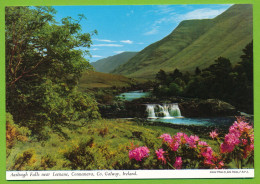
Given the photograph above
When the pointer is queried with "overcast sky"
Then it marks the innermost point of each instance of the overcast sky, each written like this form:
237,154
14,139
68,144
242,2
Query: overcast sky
132,28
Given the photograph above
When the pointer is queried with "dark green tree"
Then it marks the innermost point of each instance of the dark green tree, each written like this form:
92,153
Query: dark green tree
247,61
176,74
43,66
161,76
197,71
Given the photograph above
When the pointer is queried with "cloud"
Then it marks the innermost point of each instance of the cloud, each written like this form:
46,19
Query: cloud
170,16
94,49
118,52
96,56
107,45
153,31
104,40
126,41
204,13
165,9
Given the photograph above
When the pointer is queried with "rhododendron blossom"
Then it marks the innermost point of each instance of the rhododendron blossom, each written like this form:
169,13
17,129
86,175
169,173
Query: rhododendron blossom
167,138
178,163
195,153
202,143
226,148
213,134
239,135
192,140
139,153
160,156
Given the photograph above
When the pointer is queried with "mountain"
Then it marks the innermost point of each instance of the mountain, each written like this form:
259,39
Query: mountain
108,64
195,43
92,79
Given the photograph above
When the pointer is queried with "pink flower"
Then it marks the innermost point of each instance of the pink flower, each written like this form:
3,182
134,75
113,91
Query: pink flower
221,164
175,146
178,163
191,141
181,137
202,143
208,162
244,141
195,138
139,153
160,156
213,134
166,138
233,130
207,153
231,139
226,148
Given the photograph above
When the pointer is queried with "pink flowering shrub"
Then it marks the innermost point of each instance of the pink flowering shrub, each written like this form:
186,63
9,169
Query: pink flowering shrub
239,143
139,153
181,151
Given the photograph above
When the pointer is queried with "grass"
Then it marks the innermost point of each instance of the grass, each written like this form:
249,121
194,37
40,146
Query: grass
108,64
92,79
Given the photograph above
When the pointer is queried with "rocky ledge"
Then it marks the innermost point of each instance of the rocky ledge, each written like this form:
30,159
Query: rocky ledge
189,108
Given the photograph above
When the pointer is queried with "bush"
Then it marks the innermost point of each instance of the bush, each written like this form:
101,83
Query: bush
24,161
189,152
14,133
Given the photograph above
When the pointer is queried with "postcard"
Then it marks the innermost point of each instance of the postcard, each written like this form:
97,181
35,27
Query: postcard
147,91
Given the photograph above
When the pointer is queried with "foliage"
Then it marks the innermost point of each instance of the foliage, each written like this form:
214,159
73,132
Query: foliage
14,133
109,148
105,144
24,160
43,66
47,162
189,152
221,80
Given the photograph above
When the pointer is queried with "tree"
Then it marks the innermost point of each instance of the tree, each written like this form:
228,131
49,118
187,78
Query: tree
197,71
247,61
176,73
161,76
43,66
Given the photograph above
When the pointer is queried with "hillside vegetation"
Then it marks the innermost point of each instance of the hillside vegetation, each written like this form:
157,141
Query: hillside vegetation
92,79
108,64
101,144
195,43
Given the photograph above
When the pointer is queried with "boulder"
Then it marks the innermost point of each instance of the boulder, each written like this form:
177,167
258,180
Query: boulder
207,108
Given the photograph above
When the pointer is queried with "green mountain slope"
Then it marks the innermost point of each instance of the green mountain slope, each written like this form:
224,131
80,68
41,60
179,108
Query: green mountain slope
195,43
108,64
92,79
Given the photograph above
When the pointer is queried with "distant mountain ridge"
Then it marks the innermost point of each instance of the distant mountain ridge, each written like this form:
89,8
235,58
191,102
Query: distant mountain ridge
195,43
108,64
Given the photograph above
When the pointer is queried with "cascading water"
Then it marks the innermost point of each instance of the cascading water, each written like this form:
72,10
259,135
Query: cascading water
150,110
163,111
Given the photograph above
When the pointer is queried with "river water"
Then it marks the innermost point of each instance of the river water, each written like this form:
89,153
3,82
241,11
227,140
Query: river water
170,113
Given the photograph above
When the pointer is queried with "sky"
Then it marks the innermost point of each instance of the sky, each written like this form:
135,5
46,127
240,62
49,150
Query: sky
133,27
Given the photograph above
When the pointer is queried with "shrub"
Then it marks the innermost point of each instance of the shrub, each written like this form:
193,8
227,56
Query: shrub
189,152
25,160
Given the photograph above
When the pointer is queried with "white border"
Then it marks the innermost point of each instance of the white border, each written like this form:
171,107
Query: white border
129,174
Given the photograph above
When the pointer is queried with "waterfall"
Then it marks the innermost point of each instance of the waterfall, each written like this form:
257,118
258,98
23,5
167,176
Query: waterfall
163,111
150,110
